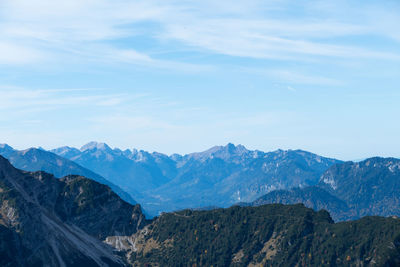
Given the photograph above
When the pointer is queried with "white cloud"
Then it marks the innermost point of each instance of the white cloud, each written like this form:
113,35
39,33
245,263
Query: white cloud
255,29
16,54
77,30
293,77
130,56
16,98
300,78
290,88
272,38
73,20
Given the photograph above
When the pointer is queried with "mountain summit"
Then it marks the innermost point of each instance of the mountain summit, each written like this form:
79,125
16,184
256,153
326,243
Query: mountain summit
95,146
223,152
219,176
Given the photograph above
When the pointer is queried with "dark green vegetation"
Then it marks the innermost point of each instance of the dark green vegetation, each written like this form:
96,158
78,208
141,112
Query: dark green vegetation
349,190
269,235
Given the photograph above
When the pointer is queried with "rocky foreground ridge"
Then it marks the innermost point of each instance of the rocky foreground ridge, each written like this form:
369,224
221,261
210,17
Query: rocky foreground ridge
46,221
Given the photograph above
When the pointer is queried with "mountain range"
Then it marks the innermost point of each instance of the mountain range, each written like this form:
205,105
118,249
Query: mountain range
349,190
226,175
75,221
34,159
220,176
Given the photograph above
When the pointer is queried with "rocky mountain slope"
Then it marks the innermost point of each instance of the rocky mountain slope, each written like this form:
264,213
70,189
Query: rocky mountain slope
74,221
349,190
269,235
134,171
60,222
368,187
220,176
34,159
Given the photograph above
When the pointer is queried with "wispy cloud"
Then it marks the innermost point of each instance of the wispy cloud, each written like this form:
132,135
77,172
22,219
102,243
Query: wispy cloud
16,54
290,88
280,38
16,98
300,78
78,31
35,30
293,77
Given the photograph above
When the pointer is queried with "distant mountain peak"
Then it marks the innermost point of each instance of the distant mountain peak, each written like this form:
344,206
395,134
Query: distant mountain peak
392,164
95,145
29,150
233,147
64,149
5,147
224,152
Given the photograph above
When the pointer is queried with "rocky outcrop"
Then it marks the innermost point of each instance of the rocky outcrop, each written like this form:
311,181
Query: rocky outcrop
60,222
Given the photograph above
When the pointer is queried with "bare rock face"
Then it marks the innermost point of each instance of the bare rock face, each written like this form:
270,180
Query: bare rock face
46,221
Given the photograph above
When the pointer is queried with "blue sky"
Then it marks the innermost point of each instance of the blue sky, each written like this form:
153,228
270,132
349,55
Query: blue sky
181,76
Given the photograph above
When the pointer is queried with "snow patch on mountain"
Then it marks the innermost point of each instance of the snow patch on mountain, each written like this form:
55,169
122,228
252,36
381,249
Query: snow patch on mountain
330,181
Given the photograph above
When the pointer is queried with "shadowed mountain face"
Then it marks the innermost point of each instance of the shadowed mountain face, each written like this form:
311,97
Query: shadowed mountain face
220,176
350,190
40,160
60,222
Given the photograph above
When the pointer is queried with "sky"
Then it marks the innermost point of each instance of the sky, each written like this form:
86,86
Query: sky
182,76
